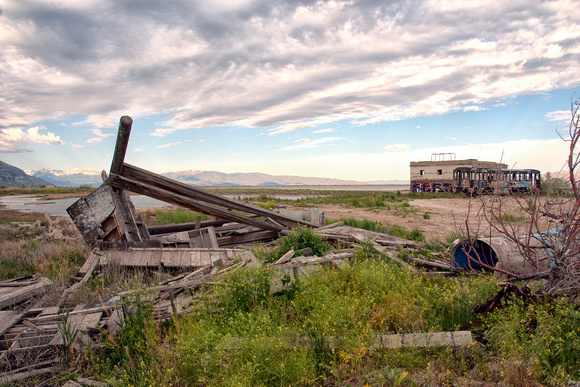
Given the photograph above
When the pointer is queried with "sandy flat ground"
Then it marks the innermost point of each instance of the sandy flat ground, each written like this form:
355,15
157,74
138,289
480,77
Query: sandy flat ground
446,217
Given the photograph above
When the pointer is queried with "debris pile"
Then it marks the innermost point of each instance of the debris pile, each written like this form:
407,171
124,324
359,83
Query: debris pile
195,254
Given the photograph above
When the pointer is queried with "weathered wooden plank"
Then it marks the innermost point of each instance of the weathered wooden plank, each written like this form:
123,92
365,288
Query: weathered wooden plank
90,263
185,201
175,258
116,322
7,319
285,258
49,310
185,258
205,258
180,227
124,216
141,257
423,340
155,258
89,212
249,237
196,258
12,377
70,326
90,320
213,243
17,295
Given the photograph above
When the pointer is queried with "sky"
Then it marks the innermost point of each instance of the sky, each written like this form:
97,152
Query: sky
352,90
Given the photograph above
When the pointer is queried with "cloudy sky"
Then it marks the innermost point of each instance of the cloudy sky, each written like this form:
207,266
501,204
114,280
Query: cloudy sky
340,89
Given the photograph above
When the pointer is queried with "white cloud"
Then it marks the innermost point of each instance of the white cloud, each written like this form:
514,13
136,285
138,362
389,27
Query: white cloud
307,143
559,115
397,147
100,136
280,65
162,132
473,108
12,139
235,156
168,145
329,130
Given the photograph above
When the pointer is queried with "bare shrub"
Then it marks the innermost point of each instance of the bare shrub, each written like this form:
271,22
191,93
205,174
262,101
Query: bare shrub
546,230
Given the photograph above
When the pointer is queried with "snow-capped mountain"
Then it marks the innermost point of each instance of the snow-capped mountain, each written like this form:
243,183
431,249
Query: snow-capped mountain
11,176
78,177
69,178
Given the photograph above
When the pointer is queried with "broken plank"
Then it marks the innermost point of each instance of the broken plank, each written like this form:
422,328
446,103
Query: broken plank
431,264
16,295
90,264
183,200
8,318
212,238
256,236
14,377
116,322
180,227
285,258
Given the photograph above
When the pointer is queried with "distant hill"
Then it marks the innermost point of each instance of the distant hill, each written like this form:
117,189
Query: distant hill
78,177
213,178
70,178
11,176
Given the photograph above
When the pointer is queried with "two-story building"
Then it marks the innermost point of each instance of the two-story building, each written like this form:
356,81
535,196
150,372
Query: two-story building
437,175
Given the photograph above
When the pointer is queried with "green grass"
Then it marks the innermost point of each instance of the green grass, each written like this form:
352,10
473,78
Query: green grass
376,200
246,336
300,238
541,339
160,216
25,251
512,218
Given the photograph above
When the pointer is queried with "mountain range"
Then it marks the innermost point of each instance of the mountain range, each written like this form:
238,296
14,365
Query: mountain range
90,177
11,176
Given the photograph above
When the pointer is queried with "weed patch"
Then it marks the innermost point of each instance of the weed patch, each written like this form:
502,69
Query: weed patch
542,339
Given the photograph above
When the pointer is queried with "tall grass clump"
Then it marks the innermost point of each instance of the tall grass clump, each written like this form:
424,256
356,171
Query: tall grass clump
537,340
138,356
300,238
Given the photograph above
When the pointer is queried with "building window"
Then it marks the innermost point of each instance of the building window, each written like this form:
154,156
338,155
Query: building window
439,171
422,172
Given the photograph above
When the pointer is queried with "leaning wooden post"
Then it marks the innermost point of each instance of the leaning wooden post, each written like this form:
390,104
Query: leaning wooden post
121,146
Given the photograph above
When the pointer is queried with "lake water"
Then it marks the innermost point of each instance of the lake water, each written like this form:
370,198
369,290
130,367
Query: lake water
57,207
29,203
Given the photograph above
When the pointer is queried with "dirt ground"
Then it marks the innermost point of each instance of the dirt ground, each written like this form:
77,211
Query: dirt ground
446,217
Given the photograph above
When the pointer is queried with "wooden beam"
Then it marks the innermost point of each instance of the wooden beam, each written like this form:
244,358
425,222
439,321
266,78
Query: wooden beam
158,181
180,199
125,125
179,227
